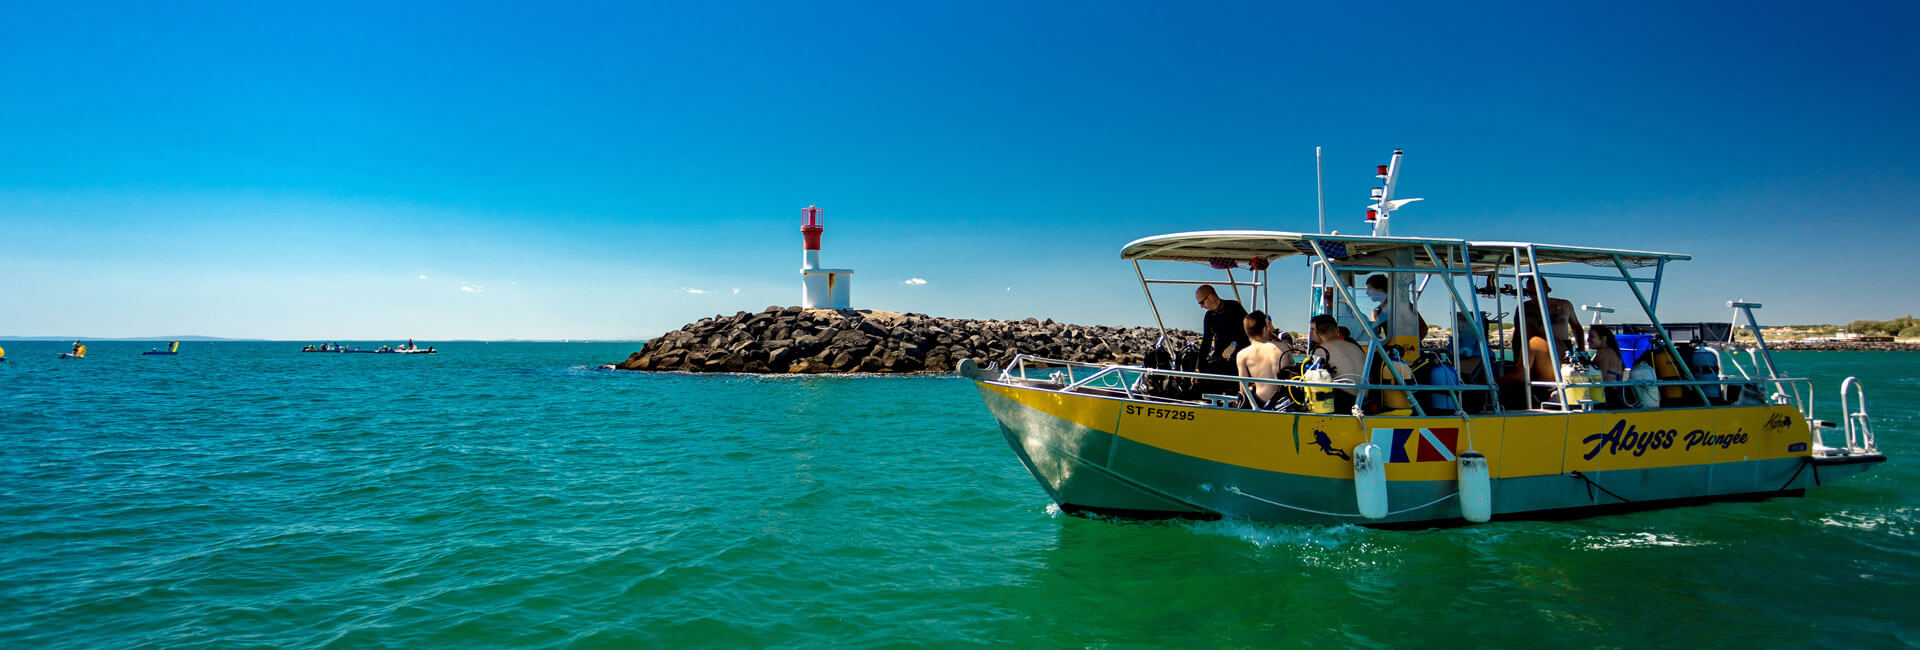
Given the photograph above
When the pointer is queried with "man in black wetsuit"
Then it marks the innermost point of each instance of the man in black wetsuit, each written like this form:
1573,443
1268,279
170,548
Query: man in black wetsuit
1222,333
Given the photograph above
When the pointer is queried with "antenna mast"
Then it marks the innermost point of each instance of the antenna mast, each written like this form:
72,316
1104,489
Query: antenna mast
1383,202
1320,190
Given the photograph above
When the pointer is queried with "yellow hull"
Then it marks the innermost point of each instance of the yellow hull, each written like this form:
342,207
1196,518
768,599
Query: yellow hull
1109,453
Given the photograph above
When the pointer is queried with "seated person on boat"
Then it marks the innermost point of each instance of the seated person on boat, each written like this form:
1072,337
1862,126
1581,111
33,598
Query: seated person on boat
1472,357
1606,357
1265,358
1344,359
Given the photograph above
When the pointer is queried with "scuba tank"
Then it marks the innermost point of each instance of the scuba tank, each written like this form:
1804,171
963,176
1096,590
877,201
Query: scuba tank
1577,373
1319,398
1666,369
1395,400
1706,365
1439,403
1645,396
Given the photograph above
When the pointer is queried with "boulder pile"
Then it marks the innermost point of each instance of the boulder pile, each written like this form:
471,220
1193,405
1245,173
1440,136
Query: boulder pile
798,340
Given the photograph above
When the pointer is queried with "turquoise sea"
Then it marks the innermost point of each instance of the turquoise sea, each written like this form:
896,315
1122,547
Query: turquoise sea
245,494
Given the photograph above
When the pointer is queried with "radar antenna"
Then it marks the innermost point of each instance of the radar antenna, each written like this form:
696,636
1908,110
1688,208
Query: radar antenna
1383,202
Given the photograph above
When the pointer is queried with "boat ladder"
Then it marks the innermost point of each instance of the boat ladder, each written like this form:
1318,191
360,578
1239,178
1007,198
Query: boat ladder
1854,426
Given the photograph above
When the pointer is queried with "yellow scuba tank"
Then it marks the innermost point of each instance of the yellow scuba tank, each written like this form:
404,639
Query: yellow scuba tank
1319,398
1407,347
1578,374
1395,400
1666,370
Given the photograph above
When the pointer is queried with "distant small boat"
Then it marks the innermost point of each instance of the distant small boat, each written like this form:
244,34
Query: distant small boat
79,352
173,348
410,348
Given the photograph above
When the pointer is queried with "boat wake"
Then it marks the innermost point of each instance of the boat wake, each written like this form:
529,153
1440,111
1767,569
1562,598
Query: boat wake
1281,535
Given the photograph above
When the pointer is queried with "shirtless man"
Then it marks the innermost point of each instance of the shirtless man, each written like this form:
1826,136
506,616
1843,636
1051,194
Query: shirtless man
1263,359
1514,384
1345,359
1566,323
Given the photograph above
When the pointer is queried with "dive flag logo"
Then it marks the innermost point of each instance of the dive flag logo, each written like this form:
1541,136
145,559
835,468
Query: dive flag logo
1417,445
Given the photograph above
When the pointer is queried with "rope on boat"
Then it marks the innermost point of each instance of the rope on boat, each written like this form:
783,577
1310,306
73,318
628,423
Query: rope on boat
1796,474
1236,490
1591,485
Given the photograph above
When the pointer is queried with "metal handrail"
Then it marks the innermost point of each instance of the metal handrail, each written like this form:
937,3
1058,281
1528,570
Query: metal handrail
1859,436
1630,383
1019,366
1804,402
1672,382
1019,362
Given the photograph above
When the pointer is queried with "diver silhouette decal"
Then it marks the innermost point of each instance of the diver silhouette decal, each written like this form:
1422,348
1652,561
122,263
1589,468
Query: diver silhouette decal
1325,444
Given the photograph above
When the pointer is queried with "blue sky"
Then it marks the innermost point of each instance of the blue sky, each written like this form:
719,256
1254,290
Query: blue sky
469,170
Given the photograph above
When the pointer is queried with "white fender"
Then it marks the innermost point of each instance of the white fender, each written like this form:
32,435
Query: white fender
1370,480
1476,487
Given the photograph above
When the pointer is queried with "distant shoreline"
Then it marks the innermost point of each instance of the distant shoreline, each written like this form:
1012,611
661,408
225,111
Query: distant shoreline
1839,346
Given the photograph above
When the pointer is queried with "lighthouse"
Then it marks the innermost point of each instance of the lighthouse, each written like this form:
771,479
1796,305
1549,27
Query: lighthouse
820,288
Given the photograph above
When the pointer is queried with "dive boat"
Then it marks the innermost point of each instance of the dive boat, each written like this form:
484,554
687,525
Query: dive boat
1418,449
173,348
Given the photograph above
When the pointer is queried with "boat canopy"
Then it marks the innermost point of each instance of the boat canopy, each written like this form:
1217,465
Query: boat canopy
1242,245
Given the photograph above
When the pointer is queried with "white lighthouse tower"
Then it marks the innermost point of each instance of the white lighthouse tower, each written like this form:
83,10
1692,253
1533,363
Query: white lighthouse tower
820,288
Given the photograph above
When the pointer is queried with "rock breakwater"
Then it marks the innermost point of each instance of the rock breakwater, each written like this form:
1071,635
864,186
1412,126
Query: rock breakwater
798,340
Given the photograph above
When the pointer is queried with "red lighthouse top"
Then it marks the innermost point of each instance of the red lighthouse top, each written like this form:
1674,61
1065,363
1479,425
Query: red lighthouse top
810,227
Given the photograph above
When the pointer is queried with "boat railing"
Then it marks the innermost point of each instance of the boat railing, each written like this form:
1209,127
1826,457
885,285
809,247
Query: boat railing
1853,424
1114,376
1777,397
1732,360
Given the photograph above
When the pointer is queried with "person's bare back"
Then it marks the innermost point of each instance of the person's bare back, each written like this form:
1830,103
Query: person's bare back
1262,360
